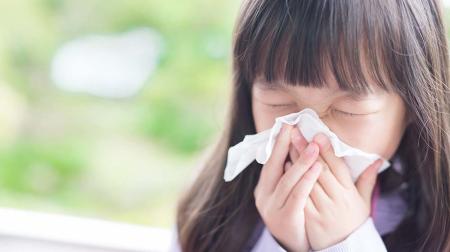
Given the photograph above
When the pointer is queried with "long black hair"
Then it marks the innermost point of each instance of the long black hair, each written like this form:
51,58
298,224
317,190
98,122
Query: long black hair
399,45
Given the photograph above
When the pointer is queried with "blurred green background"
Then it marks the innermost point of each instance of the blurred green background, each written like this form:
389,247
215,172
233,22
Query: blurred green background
124,159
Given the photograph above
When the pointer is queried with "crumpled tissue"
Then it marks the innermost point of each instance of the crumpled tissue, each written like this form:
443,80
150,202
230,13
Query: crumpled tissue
259,146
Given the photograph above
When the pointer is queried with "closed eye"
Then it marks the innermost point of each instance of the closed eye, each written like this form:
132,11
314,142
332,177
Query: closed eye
349,114
340,112
280,105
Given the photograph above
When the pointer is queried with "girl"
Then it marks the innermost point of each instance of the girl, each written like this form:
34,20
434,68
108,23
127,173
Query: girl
376,71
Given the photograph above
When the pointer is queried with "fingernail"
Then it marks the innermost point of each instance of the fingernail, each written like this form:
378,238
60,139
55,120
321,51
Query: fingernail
321,139
316,166
379,163
310,149
285,127
295,135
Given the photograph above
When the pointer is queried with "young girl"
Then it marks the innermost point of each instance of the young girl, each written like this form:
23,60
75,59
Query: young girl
376,71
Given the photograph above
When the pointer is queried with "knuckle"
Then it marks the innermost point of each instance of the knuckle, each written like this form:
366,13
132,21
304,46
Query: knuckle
323,224
255,194
347,202
308,178
303,158
327,147
268,164
258,204
258,200
264,168
297,194
282,185
315,187
265,213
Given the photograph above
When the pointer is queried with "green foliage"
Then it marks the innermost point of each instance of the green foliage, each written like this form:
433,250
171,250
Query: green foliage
178,112
180,128
39,168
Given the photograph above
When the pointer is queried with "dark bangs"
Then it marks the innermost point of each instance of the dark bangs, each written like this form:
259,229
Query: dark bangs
307,42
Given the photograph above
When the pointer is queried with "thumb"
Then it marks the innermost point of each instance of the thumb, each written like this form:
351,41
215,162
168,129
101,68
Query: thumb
366,181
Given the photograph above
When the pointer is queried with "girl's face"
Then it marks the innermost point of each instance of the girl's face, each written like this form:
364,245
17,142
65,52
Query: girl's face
373,123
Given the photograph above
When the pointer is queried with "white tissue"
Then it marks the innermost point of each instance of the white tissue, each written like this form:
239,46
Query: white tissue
259,146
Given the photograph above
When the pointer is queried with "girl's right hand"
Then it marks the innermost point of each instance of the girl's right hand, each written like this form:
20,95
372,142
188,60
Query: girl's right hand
281,196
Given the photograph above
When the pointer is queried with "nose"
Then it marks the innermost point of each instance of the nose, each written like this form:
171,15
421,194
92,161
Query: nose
326,118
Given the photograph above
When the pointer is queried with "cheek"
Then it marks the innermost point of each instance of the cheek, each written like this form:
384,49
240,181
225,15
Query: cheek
390,133
263,118
381,135
373,138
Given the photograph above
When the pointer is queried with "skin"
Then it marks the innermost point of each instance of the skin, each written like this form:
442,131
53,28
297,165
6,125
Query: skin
302,181
376,114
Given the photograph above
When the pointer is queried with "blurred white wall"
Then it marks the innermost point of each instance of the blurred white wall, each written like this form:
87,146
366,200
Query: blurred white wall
42,232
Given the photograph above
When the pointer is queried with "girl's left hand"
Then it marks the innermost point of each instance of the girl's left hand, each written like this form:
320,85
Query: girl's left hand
336,206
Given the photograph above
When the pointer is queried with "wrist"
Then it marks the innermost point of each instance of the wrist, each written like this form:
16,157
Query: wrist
290,248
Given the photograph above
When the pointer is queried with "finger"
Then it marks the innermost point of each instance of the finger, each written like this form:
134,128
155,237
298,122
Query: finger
290,178
298,140
337,165
287,166
328,181
293,153
273,169
310,209
320,198
367,180
299,194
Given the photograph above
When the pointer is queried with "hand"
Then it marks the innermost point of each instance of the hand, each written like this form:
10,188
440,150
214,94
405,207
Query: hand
336,206
281,197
